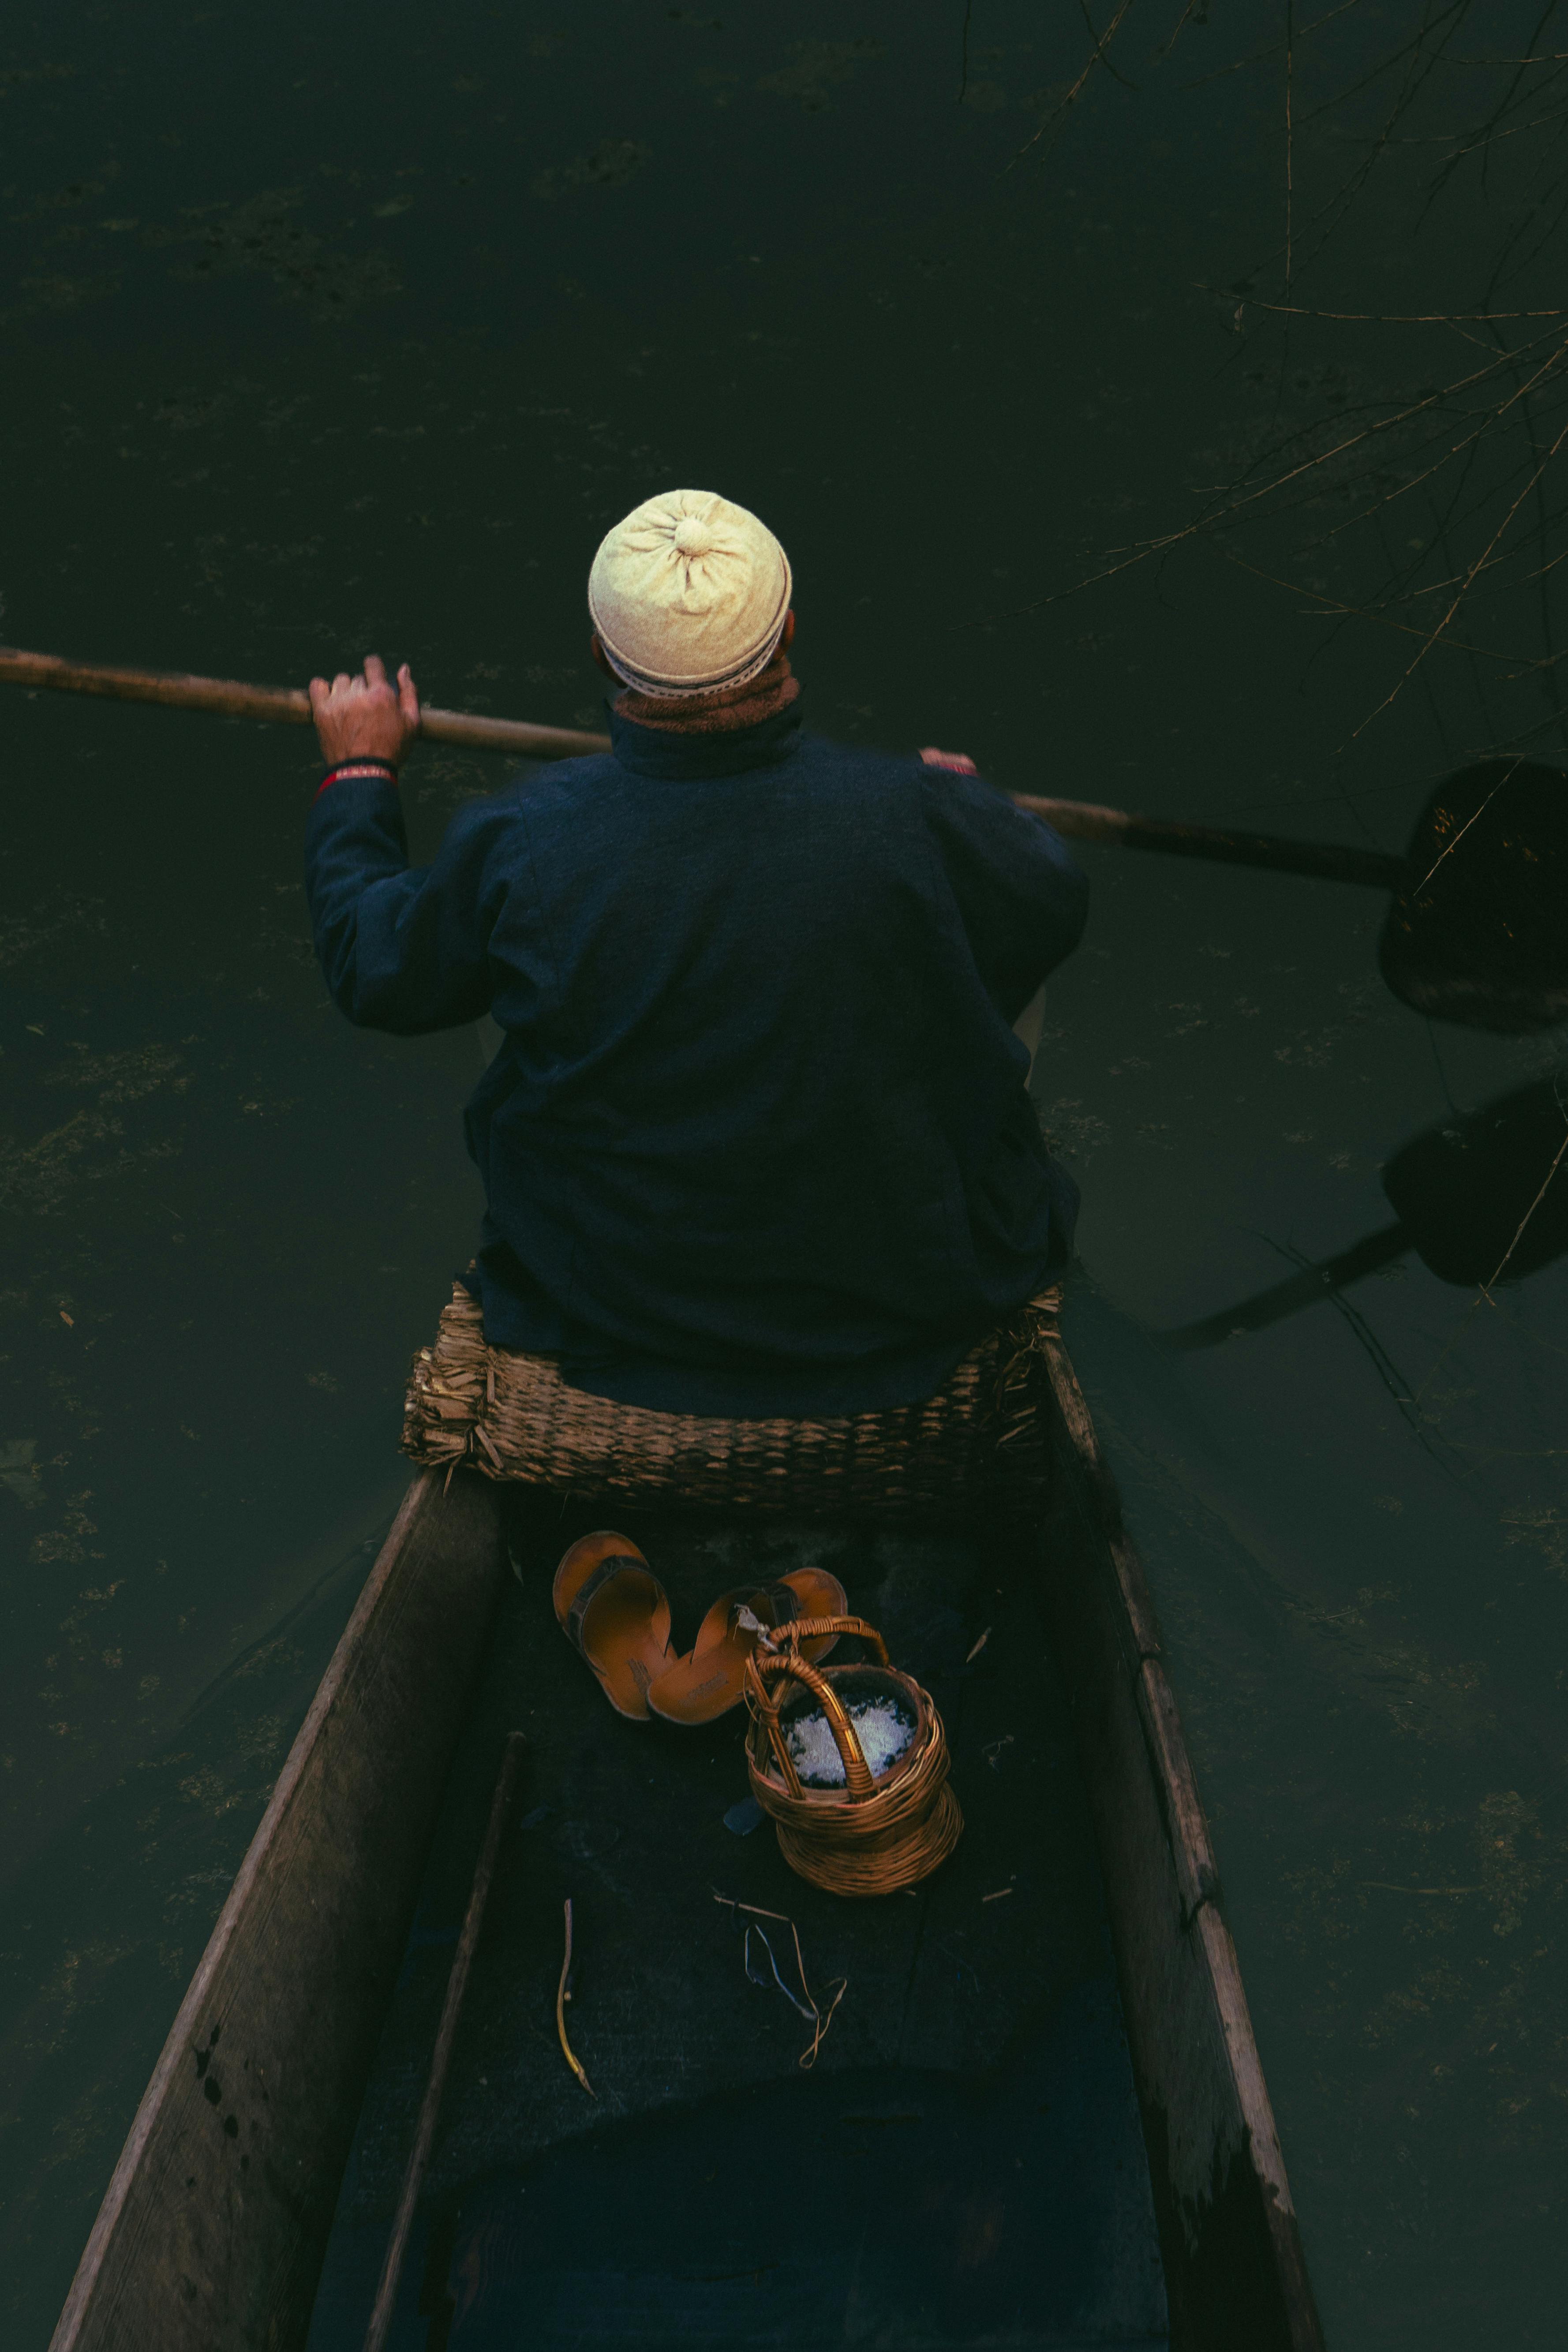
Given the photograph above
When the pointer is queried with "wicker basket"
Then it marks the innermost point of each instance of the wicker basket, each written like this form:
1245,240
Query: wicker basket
513,1416
879,1833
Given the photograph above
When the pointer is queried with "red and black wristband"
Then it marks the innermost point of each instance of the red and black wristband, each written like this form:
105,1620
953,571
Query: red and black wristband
380,770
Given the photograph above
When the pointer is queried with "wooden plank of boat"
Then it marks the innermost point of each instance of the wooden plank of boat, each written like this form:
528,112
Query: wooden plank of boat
213,2229
189,2252
1236,2276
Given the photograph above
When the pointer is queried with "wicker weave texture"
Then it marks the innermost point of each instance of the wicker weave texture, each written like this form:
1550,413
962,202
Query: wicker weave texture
878,1837
513,1417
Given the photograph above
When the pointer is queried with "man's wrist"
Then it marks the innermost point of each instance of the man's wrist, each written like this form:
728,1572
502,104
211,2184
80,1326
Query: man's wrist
382,770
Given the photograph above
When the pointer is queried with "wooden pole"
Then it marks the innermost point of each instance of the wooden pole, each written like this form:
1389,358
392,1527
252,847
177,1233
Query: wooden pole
1079,820
1324,860
457,1985
290,706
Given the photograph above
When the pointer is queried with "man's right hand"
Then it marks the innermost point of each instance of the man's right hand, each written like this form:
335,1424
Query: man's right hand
959,762
365,718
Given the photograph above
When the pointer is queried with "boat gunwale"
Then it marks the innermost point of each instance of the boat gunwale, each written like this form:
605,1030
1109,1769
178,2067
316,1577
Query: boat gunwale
1236,2270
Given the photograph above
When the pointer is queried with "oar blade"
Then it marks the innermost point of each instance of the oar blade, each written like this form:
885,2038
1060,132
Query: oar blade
1485,1197
1477,933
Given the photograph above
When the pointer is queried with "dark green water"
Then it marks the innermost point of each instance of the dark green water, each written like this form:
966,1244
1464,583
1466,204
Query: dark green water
326,330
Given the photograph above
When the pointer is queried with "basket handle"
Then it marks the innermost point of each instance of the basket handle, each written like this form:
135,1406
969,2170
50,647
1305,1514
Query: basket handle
764,1709
789,1664
807,1629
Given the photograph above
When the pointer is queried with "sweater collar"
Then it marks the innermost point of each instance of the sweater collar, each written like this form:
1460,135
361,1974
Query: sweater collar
659,751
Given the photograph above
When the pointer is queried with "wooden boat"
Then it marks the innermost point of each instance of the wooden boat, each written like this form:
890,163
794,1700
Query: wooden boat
1008,2137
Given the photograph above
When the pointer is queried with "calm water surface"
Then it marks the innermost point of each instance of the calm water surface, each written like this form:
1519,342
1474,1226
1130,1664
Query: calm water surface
326,331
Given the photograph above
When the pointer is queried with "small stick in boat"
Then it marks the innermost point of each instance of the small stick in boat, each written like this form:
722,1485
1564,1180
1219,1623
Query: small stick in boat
561,1997
457,1985
822,2020
978,1647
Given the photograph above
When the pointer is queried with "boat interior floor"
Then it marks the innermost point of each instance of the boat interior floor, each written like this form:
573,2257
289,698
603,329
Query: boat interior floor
962,2164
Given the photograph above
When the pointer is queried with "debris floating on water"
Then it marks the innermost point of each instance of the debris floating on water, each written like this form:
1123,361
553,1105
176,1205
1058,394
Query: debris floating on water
883,1728
19,1470
978,1647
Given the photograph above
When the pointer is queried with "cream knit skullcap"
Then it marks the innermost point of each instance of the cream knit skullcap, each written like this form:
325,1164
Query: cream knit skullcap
689,592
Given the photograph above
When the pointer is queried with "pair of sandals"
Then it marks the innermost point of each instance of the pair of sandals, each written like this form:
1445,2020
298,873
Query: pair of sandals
614,1611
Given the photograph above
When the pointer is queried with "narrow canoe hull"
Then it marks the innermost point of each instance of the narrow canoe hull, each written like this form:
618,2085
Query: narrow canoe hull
212,2234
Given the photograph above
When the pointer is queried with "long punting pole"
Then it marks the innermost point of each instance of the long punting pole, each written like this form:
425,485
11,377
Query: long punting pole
1079,820
289,705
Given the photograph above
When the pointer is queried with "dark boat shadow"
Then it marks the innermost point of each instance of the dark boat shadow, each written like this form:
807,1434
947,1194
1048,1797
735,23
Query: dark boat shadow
885,2206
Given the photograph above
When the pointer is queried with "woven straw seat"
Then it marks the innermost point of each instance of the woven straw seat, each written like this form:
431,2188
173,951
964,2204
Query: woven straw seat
513,1417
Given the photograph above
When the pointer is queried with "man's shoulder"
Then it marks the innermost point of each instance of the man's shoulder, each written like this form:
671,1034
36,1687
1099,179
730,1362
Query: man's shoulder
557,785
566,780
867,765
941,791
598,784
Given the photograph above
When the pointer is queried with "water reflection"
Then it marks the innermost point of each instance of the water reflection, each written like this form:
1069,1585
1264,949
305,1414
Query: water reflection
1474,1198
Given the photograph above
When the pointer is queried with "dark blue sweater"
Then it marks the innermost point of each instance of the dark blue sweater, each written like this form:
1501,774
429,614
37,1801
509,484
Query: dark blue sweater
758,1139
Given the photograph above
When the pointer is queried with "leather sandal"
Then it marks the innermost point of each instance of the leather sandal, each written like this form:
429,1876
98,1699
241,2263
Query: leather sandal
613,1609
807,1592
711,1678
